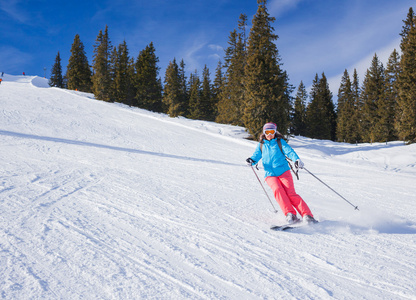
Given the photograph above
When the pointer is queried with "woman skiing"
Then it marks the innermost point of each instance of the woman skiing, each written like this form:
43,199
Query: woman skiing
273,149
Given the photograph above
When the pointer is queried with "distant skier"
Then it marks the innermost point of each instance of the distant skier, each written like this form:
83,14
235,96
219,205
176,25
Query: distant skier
1,80
273,149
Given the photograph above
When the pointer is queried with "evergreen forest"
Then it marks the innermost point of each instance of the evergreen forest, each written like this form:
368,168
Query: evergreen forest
250,86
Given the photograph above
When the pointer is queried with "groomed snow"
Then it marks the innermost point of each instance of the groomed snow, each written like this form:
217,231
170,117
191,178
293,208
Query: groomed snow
104,201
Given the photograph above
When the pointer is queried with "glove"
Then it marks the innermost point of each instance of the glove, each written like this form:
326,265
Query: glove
250,162
299,164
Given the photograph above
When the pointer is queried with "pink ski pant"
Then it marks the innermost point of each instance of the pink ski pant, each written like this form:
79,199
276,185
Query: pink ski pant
285,194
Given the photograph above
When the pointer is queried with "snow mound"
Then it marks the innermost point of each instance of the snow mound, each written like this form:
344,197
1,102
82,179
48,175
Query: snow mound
40,82
35,81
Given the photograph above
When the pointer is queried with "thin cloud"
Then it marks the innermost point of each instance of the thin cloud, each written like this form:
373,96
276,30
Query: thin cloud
364,64
215,57
192,56
331,44
216,48
17,13
201,52
277,8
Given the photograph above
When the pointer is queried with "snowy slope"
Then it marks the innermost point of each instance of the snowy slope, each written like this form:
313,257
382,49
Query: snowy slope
103,201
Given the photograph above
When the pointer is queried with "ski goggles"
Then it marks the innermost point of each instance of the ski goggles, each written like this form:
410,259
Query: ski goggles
269,131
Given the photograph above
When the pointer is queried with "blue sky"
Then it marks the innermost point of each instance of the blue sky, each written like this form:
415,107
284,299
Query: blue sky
315,36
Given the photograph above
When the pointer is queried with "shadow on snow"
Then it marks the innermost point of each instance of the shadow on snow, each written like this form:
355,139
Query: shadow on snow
114,148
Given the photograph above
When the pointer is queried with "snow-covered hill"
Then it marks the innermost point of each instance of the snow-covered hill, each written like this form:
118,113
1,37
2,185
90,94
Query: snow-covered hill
104,201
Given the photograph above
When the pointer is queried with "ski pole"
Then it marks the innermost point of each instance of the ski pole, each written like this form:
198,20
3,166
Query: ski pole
356,207
263,189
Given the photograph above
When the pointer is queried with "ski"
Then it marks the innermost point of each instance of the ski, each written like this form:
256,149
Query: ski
282,227
286,227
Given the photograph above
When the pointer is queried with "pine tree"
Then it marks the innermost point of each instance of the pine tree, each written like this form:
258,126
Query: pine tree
357,118
132,91
78,72
406,104
57,79
194,97
122,82
320,113
267,97
346,125
113,70
173,93
231,99
329,107
207,102
409,23
217,87
184,97
374,126
148,84
392,73
299,115
313,111
101,80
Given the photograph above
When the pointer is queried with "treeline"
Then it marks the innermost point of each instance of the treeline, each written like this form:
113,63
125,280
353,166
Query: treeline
250,87
381,109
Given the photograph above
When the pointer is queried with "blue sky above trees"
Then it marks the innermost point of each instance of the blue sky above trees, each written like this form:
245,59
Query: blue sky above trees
314,36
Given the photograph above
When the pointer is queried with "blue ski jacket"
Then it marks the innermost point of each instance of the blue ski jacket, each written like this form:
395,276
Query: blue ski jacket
274,162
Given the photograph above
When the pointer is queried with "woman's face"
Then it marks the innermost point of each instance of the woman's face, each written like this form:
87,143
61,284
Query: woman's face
269,137
270,134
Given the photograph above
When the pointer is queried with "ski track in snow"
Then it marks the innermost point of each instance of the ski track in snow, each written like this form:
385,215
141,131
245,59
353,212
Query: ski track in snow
104,201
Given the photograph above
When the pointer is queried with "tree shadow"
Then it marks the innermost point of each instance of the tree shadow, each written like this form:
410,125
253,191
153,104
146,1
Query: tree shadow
113,148
335,148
